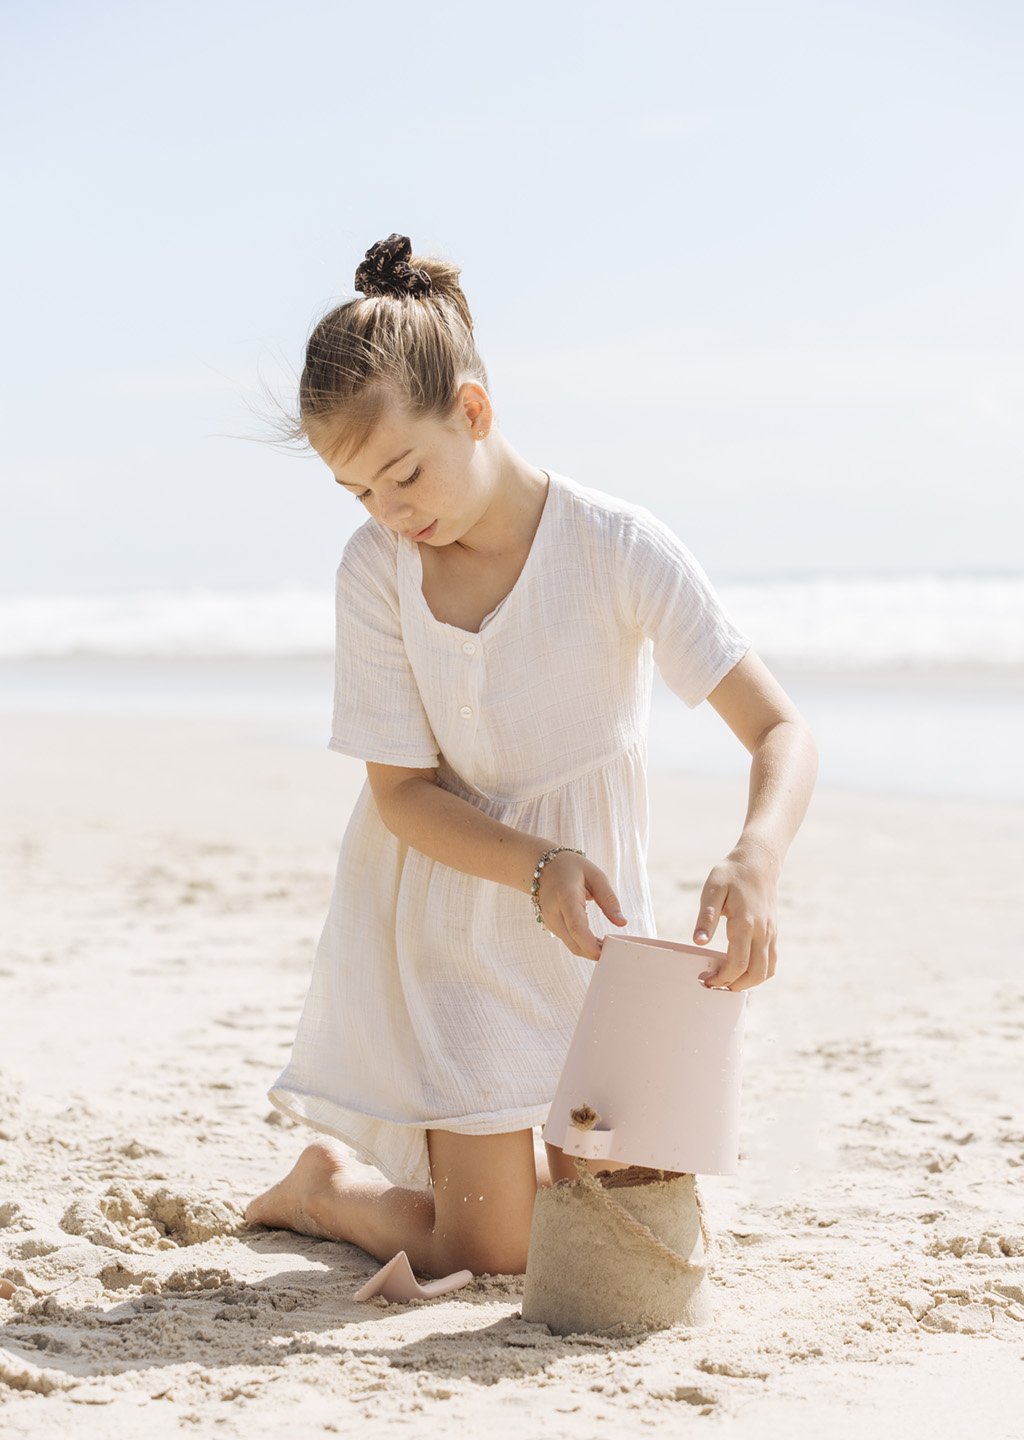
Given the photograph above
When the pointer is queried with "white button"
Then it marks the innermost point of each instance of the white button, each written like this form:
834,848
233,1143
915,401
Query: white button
469,647
465,712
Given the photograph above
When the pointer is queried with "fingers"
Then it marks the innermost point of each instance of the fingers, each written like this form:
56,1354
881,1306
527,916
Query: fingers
751,954
572,929
599,889
712,898
750,959
570,882
741,934
609,903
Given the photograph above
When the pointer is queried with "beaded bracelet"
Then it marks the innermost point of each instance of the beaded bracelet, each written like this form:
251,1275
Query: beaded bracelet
535,886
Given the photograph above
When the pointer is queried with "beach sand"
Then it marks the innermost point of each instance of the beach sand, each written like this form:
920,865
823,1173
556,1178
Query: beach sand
164,885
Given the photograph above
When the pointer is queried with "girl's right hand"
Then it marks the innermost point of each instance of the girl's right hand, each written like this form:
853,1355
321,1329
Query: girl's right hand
568,881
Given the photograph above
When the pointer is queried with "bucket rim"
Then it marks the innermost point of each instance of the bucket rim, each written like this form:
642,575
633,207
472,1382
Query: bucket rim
675,947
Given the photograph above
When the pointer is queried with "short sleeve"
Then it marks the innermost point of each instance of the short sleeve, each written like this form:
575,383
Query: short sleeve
378,711
665,594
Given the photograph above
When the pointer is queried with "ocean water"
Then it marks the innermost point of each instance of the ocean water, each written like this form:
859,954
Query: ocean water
825,623
912,684
939,732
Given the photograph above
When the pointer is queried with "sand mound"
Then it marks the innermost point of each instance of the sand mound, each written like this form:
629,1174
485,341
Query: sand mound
137,1217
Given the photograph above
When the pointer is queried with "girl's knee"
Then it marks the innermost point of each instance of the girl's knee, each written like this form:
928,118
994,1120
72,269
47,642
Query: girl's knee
486,1231
484,1188
482,1251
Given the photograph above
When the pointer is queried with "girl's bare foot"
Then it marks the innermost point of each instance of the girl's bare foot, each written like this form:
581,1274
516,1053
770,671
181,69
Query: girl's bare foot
331,1196
288,1204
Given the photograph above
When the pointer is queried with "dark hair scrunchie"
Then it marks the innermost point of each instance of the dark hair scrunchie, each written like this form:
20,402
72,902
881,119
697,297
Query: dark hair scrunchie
386,270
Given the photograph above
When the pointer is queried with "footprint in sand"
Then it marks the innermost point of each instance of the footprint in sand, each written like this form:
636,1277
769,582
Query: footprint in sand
243,1017
958,1317
965,1310
997,1246
12,1217
31,1249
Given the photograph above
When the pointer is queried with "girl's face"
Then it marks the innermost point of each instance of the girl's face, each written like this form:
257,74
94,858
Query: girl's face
420,478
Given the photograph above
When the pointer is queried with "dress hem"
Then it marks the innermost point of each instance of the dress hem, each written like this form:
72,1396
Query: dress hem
303,1108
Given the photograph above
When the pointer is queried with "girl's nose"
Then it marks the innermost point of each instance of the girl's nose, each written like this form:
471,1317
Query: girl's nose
398,514
398,509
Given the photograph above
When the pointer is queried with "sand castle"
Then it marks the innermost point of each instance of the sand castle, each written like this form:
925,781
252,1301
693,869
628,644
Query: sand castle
620,1251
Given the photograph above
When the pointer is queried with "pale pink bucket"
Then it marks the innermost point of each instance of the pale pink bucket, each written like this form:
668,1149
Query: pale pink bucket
657,1055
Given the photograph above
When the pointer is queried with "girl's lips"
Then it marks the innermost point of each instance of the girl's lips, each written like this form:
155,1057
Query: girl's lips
422,534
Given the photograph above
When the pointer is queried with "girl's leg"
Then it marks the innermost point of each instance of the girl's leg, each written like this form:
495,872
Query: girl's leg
476,1217
484,1188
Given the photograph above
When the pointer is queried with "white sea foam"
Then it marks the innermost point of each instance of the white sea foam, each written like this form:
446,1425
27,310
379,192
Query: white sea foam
837,622
166,624
830,622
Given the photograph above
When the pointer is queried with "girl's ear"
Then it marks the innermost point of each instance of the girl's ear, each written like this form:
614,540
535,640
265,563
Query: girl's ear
475,404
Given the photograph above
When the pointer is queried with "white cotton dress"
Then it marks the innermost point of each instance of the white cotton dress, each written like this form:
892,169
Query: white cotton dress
436,1000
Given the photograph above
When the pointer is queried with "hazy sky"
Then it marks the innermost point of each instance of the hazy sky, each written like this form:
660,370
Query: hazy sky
756,266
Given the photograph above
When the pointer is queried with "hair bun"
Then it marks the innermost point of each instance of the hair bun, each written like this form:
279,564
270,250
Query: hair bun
386,270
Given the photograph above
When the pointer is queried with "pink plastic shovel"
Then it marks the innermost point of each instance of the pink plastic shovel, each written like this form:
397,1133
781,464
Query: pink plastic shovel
395,1281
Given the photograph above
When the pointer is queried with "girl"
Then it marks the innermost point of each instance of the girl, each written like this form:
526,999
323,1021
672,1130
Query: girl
497,626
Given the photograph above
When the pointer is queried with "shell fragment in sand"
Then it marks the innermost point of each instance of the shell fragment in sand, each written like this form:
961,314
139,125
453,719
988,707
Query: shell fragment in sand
395,1281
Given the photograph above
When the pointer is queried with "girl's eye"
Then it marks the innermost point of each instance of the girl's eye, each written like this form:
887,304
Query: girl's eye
401,483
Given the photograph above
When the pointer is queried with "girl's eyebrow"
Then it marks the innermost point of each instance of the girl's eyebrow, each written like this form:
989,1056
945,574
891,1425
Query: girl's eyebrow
351,484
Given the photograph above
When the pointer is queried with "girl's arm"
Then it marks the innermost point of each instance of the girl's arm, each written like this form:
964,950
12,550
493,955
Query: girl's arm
447,828
783,770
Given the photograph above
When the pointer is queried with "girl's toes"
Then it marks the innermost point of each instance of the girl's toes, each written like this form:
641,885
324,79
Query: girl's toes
266,1209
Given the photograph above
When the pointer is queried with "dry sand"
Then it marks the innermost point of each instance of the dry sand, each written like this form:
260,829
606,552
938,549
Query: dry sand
165,882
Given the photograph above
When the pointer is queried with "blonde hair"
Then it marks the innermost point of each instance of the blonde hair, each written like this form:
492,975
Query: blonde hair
411,346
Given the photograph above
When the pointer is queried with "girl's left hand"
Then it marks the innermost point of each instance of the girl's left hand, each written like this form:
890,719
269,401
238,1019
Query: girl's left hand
743,889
